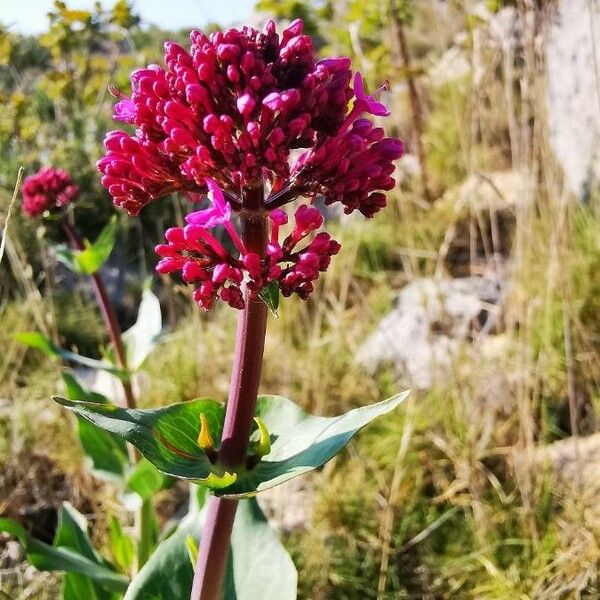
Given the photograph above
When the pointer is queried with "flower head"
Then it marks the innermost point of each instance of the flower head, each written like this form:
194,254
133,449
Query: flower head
215,272
224,118
47,190
354,167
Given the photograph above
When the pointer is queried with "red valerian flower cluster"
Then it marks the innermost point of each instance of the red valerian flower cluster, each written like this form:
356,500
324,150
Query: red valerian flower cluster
247,109
215,272
47,190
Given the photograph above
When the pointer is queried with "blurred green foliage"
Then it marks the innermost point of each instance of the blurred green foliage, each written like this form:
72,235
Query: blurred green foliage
57,110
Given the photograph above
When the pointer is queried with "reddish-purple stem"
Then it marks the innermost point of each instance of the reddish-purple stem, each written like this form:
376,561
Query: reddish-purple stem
239,415
107,310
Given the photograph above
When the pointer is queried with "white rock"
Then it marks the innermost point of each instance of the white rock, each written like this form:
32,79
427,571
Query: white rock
423,334
494,191
573,60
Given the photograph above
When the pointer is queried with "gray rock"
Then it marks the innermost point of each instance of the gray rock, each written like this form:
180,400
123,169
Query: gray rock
573,63
494,191
424,332
574,460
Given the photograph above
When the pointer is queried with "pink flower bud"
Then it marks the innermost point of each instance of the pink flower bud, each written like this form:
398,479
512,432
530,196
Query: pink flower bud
308,218
246,104
252,262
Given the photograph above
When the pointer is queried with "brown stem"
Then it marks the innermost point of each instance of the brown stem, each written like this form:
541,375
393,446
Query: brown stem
239,415
107,310
416,106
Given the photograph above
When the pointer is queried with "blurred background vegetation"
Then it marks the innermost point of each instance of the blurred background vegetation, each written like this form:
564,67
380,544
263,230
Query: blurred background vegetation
485,484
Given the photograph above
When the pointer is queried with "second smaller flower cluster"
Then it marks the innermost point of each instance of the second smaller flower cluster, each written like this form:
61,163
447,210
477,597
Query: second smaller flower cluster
206,263
48,190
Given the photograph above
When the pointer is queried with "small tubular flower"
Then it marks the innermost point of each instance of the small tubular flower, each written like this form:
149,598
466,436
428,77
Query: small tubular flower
365,103
218,214
47,190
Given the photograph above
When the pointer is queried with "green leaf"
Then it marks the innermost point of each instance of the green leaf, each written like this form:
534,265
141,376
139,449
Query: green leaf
35,339
300,442
142,337
145,479
49,558
122,547
192,548
262,569
167,436
148,532
258,567
105,452
170,557
72,533
90,260
270,296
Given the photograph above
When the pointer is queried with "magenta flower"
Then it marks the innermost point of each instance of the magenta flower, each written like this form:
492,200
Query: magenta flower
125,109
364,102
217,214
216,273
354,167
47,190
224,118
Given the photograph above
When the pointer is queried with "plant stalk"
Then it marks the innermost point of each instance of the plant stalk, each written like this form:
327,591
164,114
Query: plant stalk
107,310
416,105
144,518
146,532
239,414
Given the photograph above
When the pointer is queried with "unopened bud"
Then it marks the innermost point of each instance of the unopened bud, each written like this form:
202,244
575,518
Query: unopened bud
205,440
263,446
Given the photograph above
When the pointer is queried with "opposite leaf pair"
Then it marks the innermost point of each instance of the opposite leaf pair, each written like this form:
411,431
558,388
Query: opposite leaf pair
168,438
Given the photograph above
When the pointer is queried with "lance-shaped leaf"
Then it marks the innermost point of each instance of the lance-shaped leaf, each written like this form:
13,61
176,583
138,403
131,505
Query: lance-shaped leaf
121,546
72,533
72,553
105,452
258,566
300,442
37,340
167,437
